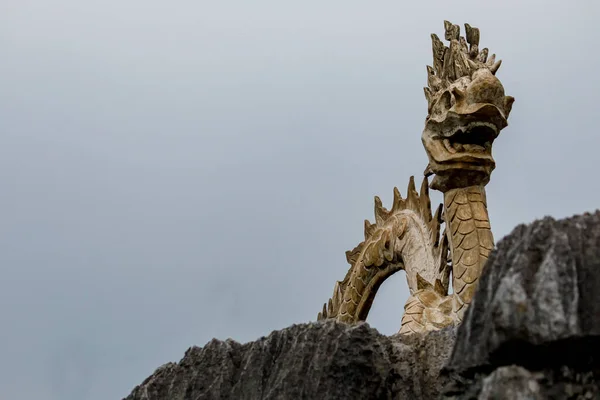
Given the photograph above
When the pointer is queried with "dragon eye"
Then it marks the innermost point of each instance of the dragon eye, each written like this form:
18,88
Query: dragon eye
443,104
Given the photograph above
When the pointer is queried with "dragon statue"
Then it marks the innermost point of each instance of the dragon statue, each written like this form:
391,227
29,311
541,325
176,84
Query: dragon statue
467,109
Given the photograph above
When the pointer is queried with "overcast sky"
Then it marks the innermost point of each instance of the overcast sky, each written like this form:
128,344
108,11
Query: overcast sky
177,171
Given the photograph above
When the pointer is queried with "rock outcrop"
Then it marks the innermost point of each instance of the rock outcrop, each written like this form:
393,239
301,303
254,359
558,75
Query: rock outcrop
322,360
535,318
531,332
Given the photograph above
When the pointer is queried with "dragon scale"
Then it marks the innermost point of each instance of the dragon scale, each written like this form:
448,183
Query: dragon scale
470,239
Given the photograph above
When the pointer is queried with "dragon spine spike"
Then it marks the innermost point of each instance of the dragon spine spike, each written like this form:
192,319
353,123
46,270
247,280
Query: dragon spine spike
419,204
439,214
463,44
352,255
411,186
452,31
433,81
491,60
472,65
439,288
422,283
427,92
447,67
472,35
398,203
438,52
425,201
337,292
435,225
473,52
369,229
494,68
483,54
508,102
380,212
412,197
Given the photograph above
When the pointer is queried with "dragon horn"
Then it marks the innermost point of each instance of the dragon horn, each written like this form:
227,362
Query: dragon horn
398,202
380,211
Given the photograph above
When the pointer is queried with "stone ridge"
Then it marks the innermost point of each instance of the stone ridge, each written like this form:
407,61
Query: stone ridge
323,360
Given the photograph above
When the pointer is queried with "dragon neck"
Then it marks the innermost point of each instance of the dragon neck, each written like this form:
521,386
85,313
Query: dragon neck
470,240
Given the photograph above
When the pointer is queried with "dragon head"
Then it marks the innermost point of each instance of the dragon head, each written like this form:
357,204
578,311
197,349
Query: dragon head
467,109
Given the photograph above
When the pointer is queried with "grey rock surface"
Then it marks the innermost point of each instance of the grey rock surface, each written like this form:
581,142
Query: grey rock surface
538,299
531,332
324,360
514,382
510,383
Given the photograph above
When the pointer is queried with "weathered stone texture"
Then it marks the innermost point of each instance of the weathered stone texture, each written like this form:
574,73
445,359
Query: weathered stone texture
540,291
532,331
323,360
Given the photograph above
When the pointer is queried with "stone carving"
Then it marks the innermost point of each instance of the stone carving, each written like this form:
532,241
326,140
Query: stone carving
466,110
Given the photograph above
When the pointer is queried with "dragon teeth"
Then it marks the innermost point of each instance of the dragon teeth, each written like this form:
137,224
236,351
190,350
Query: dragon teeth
448,146
453,148
474,148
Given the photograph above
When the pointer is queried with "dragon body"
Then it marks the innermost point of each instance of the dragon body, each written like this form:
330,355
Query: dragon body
407,237
467,109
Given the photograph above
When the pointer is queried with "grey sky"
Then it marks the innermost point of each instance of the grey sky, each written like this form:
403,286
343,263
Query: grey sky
177,171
